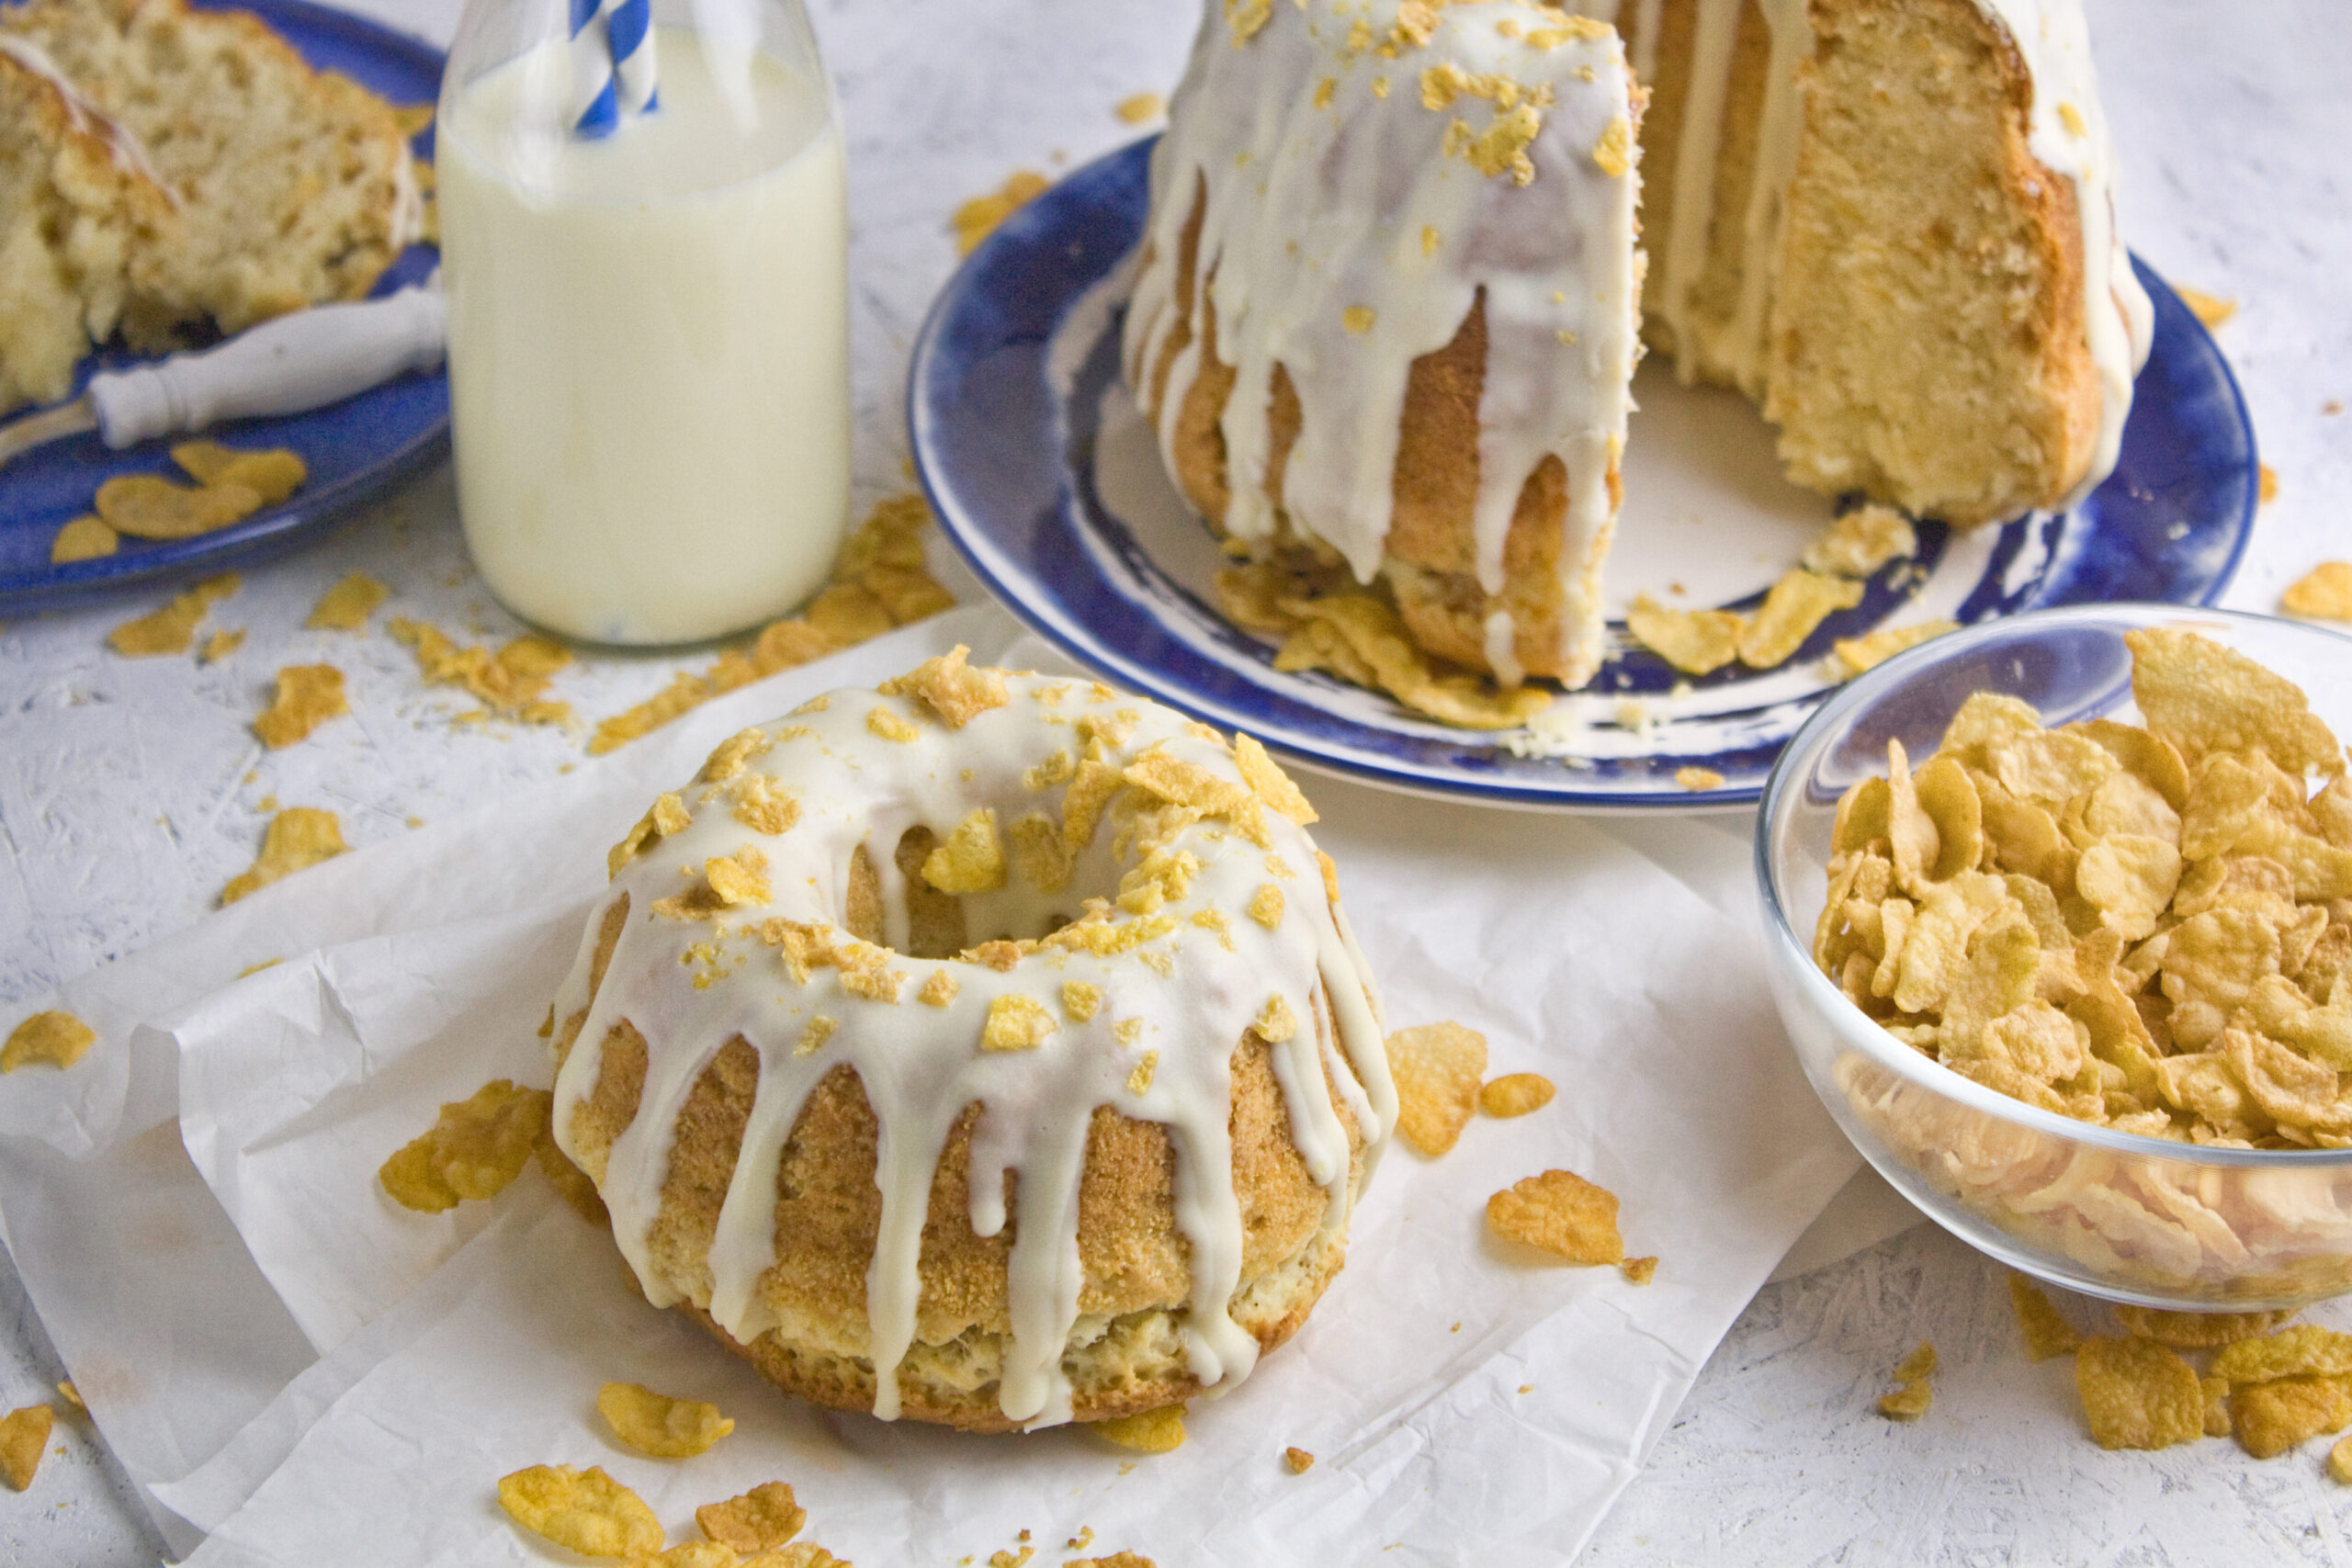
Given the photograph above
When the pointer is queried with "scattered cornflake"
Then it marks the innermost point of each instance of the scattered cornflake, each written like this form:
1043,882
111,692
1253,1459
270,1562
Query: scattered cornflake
2198,1330
1139,1080
662,1426
1696,642
149,506
1874,649
799,1555
2267,482
957,691
73,1396
2217,1406
1269,782
347,606
2268,1418
1515,1094
172,629
298,838
2305,1349
308,695
1912,1393
1639,1270
2204,697
2047,1332
273,473
879,582
1360,638
760,1520
1116,1560
476,1147
85,537
2339,1461
977,218
1695,778
24,1438
586,1510
1562,1214
1142,108
2323,593
221,644
2210,309
702,1555
1799,603
1150,1431
509,682
1299,1460
2137,1394
1436,1067
58,1039
1857,543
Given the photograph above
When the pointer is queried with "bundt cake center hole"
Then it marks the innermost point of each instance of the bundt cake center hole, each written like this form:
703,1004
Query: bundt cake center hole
940,924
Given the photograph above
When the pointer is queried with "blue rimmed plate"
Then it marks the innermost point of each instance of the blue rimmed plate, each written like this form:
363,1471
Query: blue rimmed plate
355,450
1048,481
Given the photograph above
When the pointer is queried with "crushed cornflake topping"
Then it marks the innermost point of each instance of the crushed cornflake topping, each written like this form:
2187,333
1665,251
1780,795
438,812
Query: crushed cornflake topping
298,838
473,1151
1330,877
890,726
1141,107
939,991
1501,148
1868,652
764,806
1436,1067
56,1039
1614,152
1017,1023
308,695
1430,240
977,218
1514,1094
24,1438
1057,768
1151,1431
585,1510
971,860
728,758
1800,602
1911,1395
1245,16
1562,1214
1127,1031
760,1520
1569,27
172,629
1276,1022
739,878
2071,117
1039,850
1299,1460
1857,543
813,1037
958,693
1269,782
347,606
1696,778
879,582
1266,907
1358,318
1080,1000
1325,90
2323,593
1139,1080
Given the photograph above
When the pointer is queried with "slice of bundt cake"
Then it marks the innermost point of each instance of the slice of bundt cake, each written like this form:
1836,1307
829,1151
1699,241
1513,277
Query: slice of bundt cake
289,186
78,201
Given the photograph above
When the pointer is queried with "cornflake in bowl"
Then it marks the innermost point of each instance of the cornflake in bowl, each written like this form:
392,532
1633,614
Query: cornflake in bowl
2059,916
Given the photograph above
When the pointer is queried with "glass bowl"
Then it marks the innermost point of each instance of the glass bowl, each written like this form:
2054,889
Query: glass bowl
2114,1215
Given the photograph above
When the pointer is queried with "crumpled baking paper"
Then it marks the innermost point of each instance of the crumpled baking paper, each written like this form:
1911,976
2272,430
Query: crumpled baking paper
297,1370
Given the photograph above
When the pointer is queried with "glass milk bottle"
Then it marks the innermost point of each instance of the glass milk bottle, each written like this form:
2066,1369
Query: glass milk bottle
644,242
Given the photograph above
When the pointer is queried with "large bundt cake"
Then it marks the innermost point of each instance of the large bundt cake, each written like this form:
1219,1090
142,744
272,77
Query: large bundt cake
987,1050
1385,309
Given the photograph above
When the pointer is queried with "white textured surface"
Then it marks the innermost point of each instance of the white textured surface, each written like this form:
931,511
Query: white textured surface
128,790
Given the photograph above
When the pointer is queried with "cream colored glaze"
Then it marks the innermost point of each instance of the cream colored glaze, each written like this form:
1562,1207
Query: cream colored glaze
2051,38
922,1065
1294,189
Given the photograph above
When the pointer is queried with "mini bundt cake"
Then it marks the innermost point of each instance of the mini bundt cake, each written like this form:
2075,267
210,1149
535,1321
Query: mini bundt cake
989,1049
1386,303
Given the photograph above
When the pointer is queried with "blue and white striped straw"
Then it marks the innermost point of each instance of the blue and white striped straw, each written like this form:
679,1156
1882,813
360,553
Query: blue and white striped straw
612,64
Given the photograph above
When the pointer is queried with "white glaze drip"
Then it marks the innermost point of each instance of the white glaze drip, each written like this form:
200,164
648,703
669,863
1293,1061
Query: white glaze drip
920,1065
1291,188
129,153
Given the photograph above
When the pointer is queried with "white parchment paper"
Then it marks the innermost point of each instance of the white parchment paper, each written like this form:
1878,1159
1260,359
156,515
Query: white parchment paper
301,1372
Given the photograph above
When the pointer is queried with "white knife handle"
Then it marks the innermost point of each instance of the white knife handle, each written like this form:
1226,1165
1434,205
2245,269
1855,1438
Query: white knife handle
301,361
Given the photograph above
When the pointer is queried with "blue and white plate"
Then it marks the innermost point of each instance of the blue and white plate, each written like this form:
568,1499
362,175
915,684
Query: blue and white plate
1049,482
355,449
